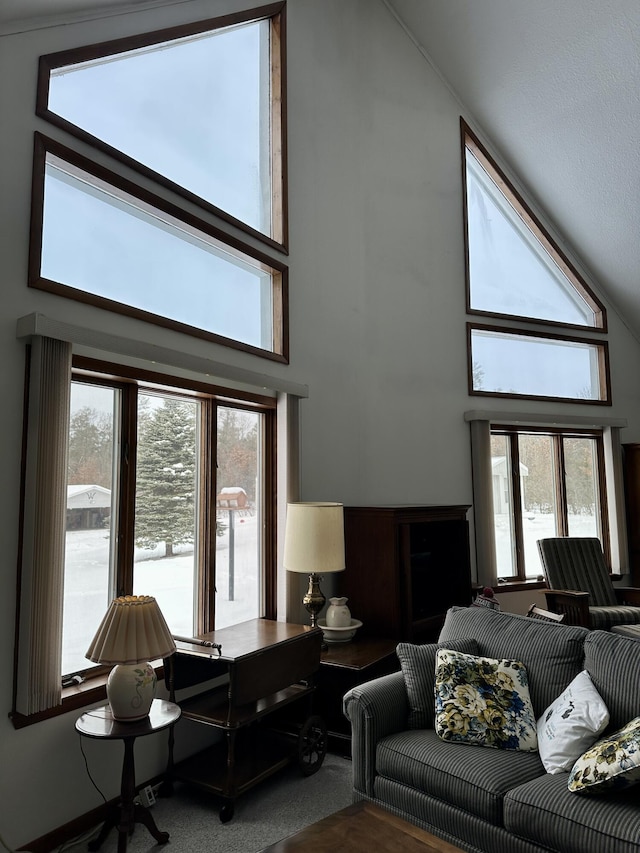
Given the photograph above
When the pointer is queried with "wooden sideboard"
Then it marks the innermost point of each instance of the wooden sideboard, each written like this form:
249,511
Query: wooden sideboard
405,566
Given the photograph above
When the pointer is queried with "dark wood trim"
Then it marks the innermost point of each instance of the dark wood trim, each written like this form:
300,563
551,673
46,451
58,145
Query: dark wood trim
79,825
559,484
45,145
516,498
601,346
125,546
117,372
477,312
471,142
275,12
557,436
206,589
269,498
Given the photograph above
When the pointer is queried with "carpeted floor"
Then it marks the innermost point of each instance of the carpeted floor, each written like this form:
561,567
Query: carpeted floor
278,807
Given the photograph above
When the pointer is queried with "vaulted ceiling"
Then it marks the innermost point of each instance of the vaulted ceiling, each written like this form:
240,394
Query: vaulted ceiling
553,87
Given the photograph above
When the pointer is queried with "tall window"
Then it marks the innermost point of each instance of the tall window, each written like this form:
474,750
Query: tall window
169,494
516,272
193,116
545,483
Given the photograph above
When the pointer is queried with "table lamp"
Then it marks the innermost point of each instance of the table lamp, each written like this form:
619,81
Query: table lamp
314,544
132,633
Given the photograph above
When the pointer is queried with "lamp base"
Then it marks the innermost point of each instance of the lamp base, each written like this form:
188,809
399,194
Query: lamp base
314,599
131,688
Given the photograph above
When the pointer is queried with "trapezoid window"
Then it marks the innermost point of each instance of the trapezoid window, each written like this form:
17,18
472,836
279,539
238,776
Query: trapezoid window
514,269
526,364
199,107
100,239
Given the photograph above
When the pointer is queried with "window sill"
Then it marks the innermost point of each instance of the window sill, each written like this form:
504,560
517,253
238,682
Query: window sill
74,698
519,586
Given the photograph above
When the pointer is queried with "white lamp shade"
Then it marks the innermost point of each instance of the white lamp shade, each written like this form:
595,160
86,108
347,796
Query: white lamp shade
133,631
314,538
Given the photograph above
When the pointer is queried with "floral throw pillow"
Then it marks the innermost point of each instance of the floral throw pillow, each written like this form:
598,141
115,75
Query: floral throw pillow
483,701
613,762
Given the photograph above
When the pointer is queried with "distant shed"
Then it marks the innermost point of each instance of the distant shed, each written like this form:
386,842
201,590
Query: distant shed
88,507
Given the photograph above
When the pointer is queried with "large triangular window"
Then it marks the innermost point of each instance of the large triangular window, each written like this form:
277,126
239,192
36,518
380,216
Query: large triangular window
514,268
516,272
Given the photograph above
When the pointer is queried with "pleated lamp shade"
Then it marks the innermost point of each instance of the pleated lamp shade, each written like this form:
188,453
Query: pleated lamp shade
132,633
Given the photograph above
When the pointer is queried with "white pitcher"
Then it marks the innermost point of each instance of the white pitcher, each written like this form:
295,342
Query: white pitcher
338,614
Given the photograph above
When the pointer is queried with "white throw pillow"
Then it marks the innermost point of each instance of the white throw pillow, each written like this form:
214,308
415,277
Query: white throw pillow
571,724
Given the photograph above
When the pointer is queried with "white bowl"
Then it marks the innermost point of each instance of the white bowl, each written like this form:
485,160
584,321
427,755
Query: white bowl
339,635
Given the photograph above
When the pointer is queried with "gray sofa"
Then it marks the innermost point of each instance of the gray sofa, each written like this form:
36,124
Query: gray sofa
493,800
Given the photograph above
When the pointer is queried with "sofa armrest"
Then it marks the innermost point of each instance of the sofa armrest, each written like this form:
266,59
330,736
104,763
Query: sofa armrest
570,602
628,595
374,709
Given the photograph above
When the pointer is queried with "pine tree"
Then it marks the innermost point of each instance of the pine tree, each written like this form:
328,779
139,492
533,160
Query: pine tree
165,486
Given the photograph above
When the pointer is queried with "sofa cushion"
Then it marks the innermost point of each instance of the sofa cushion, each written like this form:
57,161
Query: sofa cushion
468,777
613,662
483,701
571,724
544,811
551,652
613,762
418,665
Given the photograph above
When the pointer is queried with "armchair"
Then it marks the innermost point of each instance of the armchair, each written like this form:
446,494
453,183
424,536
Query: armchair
580,585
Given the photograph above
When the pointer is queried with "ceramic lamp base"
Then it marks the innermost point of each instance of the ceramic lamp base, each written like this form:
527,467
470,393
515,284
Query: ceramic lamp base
131,688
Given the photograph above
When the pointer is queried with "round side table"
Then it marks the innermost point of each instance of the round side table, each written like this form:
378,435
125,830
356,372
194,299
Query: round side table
99,723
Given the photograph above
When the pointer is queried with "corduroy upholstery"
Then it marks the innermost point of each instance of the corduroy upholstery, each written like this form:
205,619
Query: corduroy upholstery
577,563
486,800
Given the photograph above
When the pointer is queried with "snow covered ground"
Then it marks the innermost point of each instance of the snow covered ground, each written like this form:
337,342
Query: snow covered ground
535,526
170,579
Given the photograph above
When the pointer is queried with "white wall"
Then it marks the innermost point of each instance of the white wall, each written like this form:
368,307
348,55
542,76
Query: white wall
377,314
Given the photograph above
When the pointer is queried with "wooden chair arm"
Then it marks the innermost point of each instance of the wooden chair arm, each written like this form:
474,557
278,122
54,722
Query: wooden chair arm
572,603
628,595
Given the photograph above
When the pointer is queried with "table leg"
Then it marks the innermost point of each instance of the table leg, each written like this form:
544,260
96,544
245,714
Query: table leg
129,812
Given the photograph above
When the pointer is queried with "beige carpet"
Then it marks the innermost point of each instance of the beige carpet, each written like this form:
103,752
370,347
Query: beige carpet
281,805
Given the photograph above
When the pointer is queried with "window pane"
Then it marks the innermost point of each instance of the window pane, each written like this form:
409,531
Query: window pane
539,510
503,506
581,468
239,517
90,529
104,242
519,364
510,270
203,102
166,521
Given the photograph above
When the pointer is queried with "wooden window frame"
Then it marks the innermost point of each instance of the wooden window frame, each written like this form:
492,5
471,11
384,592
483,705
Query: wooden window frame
602,347
44,145
129,381
276,14
471,142
557,434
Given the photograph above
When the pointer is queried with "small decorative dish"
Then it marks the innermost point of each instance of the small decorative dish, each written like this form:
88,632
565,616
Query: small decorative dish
339,635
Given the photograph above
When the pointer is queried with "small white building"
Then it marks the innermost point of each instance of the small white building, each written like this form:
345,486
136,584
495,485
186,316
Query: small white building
502,485
88,507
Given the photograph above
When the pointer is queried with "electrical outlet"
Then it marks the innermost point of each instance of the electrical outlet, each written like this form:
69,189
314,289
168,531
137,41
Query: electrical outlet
147,797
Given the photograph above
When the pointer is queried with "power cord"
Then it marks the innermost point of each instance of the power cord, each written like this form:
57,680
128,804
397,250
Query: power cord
86,764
